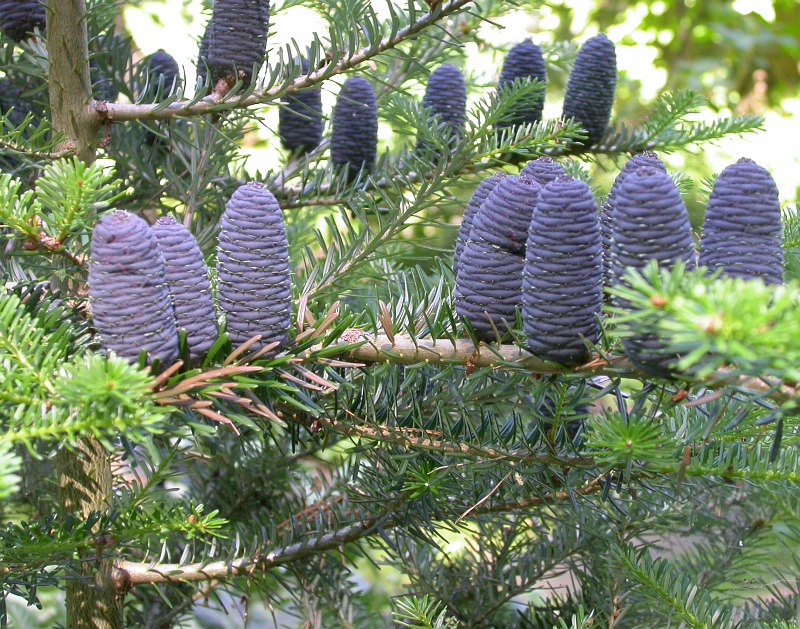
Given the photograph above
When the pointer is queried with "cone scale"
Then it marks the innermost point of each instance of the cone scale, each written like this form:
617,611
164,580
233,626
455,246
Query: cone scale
489,279
562,291
254,289
187,279
131,304
742,227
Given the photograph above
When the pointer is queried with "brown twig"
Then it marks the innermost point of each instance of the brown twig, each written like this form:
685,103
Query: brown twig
152,111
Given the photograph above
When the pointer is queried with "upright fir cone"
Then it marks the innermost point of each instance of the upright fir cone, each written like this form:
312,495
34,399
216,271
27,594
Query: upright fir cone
187,280
543,170
473,205
524,61
235,41
354,136
18,18
446,97
591,87
562,289
742,228
489,279
300,119
131,305
162,68
646,158
650,223
254,289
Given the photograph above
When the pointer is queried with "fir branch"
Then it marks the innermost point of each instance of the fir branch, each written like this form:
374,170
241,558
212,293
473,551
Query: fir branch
118,112
409,350
129,574
420,440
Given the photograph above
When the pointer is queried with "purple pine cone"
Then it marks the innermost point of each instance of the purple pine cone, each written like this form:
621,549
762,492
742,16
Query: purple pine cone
473,205
489,278
254,288
300,119
13,103
18,18
742,228
187,279
523,61
591,87
236,39
543,170
646,158
505,216
650,222
354,136
131,305
488,287
162,67
446,97
562,290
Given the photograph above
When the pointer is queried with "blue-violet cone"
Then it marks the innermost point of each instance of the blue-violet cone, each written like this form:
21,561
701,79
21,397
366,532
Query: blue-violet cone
473,205
562,290
187,279
254,289
18,18
505,215
650,222
591,87
131,305
742,228
162,68
646,158
489,278
446,97
523,62
236,39
300,119
543,170
354,135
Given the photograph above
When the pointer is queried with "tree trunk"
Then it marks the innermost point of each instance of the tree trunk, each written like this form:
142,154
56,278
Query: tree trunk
84,474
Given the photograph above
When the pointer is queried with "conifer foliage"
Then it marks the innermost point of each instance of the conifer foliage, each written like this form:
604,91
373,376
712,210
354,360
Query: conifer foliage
252,384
